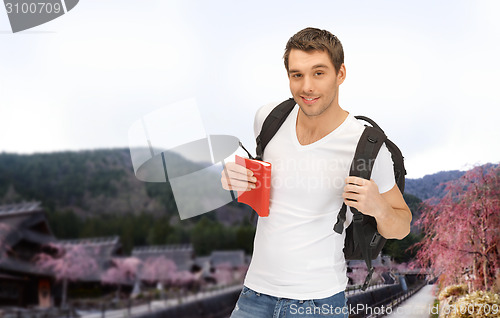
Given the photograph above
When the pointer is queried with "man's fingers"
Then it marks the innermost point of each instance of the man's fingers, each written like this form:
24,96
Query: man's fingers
238,169
238,178
355,180
350,196
237,185
351,188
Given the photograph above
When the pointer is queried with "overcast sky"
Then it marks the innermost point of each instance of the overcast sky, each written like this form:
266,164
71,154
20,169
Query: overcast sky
426,71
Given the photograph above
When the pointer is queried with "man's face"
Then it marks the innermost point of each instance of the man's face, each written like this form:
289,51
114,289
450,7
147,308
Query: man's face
313,81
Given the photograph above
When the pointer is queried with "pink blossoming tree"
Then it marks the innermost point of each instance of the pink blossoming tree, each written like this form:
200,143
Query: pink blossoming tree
462,240
158,270
183,279
358,275
67,263
224,274
122,272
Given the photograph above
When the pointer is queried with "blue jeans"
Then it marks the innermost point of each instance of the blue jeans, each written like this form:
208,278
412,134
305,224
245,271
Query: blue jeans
252,304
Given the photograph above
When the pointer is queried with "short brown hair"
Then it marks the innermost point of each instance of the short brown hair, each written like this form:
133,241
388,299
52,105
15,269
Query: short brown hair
312,39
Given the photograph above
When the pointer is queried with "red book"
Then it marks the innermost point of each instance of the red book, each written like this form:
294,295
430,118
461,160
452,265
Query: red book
257,198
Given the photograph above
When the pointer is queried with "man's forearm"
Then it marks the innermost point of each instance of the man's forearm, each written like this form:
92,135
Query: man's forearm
394,223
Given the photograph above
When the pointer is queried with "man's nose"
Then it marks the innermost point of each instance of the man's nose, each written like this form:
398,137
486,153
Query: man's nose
307,85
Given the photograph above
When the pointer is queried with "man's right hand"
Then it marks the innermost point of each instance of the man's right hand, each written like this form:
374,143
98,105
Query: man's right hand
238,178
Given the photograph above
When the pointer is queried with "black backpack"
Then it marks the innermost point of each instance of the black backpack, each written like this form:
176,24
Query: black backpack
362,242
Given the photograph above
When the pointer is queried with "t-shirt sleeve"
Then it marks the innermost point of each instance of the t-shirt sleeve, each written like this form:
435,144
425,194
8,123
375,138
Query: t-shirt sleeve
383,170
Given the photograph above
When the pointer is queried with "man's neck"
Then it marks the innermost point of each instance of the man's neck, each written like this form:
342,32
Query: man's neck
312,128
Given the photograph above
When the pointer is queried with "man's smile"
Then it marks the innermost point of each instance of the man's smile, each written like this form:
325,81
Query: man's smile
309,100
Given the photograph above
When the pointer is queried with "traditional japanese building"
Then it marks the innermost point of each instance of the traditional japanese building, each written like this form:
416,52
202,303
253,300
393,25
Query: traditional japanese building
100,249
24,234
182,255
24,230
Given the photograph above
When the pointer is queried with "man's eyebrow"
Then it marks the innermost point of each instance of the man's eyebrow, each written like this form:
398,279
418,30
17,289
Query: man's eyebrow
314,67
320,66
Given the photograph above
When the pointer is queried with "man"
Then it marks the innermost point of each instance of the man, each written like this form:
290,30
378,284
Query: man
298,267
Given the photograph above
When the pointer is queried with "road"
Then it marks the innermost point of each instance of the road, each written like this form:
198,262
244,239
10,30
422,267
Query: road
417,306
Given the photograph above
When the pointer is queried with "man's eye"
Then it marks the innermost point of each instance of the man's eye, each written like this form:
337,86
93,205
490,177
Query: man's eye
296,75
319,73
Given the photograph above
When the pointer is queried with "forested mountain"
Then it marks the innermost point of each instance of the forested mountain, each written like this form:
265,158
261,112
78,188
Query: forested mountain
432,185
87,182
90,183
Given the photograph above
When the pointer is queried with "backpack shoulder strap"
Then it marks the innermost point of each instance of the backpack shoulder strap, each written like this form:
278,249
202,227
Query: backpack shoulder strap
369,145
370,121
399,165
396,155
272,124
367,149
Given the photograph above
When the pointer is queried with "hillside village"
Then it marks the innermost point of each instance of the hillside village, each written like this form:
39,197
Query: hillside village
25,233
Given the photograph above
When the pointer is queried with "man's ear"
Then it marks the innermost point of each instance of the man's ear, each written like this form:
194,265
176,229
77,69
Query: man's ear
341,74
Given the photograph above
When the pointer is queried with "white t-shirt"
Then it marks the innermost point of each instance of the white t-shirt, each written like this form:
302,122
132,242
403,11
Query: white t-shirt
297,254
